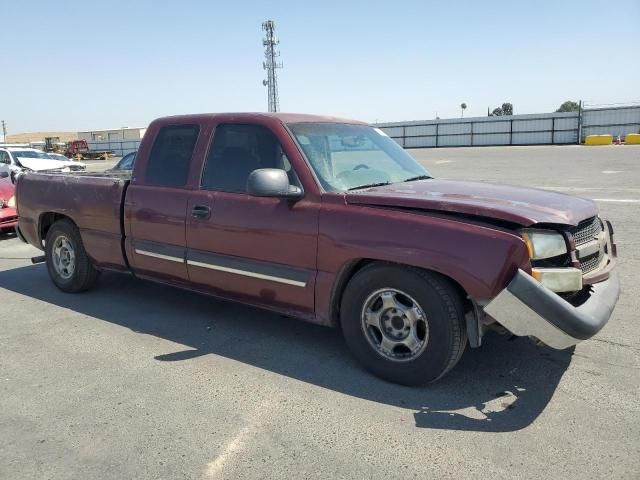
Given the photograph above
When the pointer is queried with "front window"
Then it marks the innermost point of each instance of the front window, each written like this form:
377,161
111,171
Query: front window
348,157
238,150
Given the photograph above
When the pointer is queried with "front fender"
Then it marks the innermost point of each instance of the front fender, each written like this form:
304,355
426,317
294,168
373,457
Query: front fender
481,258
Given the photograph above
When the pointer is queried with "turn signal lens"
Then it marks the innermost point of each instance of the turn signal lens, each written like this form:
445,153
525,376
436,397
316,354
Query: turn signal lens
559,279
543,243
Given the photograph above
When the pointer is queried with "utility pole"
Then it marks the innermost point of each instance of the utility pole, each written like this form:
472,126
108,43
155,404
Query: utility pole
271,53
4,131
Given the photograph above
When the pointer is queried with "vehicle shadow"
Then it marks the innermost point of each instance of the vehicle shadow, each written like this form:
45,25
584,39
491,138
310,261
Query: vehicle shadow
503,386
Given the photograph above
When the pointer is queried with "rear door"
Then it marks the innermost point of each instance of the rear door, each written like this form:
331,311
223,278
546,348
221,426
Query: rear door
254,249
156,205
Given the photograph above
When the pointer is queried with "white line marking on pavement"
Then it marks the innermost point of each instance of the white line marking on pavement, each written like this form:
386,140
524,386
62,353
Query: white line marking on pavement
625,190
440,162
235,445
617,200
611,171
240,441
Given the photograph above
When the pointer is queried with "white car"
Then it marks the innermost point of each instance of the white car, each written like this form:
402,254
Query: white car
17,159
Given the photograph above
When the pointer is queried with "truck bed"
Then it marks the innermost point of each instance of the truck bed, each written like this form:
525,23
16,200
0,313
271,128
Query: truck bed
93,201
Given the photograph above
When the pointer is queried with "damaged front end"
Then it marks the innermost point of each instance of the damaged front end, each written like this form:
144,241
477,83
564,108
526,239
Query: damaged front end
553,304
528,308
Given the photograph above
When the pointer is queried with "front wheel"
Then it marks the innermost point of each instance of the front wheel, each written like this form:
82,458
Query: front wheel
68,264
403,324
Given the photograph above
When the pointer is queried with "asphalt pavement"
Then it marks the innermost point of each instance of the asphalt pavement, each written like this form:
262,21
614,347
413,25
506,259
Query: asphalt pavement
139,380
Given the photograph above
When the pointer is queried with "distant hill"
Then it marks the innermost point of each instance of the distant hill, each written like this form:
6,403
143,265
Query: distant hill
39,136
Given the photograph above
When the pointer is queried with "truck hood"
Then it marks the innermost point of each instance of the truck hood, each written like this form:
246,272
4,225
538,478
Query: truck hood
523,206
40,164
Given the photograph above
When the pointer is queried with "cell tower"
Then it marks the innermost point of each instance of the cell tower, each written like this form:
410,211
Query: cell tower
271,53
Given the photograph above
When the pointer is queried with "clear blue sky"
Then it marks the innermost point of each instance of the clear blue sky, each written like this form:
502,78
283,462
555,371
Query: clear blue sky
72,65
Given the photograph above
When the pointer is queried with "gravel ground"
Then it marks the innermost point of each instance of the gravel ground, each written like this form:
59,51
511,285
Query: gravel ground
138,380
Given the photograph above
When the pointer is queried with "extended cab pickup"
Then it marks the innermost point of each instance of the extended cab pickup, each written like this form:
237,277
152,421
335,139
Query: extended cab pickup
329,220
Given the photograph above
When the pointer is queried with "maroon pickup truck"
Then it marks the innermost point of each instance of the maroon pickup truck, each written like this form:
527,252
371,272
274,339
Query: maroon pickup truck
329,220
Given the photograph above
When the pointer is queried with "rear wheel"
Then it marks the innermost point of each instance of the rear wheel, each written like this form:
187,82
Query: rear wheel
68,264
403,324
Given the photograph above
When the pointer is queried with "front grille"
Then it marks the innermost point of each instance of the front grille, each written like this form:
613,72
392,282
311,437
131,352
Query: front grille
586,231
590,263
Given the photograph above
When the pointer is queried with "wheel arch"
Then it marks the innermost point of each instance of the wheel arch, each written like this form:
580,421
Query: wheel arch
47,220
351,268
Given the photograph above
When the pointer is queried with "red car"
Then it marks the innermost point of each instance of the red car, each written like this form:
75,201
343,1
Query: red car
329,220
8,213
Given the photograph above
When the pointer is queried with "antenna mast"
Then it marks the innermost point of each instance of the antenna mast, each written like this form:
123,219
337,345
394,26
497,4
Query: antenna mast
271,53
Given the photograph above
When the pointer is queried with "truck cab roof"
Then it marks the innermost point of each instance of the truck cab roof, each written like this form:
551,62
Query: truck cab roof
248,116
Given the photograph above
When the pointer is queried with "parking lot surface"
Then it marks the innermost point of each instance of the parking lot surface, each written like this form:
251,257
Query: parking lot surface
139,380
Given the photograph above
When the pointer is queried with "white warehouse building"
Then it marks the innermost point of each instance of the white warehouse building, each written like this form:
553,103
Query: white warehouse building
113,135
119,140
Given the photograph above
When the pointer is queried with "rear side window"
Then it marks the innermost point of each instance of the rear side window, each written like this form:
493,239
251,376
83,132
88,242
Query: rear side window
238,150
170,157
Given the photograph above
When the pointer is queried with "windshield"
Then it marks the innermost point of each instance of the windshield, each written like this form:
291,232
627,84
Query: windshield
347,157
30,154
126,162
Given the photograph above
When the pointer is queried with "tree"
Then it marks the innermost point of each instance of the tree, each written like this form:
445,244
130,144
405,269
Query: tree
569,106
463,107
497,112
507,108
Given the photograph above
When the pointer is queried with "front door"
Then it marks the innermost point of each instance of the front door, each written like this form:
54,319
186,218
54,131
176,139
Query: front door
254,249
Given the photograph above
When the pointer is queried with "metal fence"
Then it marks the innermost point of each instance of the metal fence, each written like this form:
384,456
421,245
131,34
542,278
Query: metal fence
617,121
537,129
120,148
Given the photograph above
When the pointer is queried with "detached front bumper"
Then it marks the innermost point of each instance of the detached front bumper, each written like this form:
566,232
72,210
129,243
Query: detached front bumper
527,308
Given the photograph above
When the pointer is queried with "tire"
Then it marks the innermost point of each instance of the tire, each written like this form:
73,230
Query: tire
436,330
63,242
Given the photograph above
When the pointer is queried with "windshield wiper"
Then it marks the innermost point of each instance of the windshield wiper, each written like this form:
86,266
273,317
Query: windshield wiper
370,185
419,177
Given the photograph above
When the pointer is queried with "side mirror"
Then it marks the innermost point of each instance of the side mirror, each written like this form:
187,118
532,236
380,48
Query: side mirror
271,182
4,174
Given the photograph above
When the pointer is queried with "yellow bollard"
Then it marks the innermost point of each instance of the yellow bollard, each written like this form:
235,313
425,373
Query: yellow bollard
632,139
598,140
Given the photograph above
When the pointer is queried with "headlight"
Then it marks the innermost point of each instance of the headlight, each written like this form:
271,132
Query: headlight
543,243
12,202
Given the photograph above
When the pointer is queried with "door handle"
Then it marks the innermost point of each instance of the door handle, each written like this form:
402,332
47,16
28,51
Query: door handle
200,211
